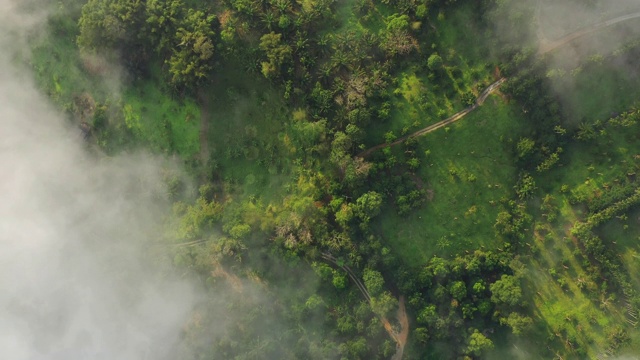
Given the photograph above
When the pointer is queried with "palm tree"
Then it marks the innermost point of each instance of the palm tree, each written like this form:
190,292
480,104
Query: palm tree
268,18
605,302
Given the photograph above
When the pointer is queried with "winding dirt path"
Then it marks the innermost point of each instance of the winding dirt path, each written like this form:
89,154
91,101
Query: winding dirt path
479,101
548,46
204,127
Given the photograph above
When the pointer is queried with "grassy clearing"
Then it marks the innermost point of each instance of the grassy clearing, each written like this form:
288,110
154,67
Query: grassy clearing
468,168
58,70
247,131
161,122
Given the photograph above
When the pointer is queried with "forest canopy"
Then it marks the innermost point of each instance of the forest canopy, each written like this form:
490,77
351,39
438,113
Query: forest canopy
433,179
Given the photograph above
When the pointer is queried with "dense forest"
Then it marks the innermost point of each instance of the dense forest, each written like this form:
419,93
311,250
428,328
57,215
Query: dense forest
416,179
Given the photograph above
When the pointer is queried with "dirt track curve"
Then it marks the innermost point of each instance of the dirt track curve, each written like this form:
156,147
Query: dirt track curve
204,128
548,46
483,96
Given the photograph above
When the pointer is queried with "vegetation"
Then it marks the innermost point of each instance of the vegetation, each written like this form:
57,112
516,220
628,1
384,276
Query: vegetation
515,225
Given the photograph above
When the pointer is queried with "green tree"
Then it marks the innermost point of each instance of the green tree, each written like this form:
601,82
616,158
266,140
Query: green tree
191,61
339,279
458,290
344,215
373,281
434,62
396,39
277,53
110,25
478,343
368,205
162,20
518,323
384,304
525,147
506,291
526,186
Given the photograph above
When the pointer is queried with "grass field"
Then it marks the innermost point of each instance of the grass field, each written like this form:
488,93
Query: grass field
469,168
160,121
247,127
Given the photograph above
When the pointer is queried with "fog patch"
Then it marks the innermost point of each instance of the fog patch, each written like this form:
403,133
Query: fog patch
582,44
77,277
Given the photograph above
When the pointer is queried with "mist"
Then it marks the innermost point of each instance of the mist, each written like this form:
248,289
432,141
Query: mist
586,47
77,277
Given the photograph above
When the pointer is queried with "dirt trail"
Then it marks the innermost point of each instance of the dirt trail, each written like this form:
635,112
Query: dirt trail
548,46
481,99
402,336
204,128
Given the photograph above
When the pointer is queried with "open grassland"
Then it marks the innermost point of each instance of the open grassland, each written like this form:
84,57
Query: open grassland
162,122
139,112
247,133
467,171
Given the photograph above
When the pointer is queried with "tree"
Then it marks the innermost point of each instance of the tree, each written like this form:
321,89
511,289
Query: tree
384,303
276,51
438,267
368,205
396,39
110,25
478,343
517,322
506,291
525,147
458,290
344,215
526,186
373,281
162,19
434,62
191,60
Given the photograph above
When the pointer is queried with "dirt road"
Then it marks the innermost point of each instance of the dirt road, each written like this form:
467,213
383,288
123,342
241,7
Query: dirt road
204,128
481,99
548,46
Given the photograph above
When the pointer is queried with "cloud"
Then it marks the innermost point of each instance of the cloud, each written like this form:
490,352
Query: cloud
77,278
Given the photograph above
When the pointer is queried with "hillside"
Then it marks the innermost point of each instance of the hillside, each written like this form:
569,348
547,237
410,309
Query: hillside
435,179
